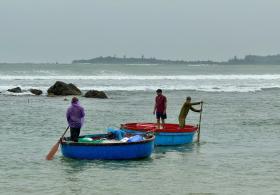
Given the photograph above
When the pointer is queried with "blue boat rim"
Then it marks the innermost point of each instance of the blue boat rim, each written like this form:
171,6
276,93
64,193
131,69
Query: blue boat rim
106,144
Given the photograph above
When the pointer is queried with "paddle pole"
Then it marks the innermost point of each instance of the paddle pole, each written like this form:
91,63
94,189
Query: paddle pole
198,133
55,147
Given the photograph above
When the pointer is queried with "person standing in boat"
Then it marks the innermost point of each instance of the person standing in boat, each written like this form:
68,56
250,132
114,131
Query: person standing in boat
185,110
75,118
160,108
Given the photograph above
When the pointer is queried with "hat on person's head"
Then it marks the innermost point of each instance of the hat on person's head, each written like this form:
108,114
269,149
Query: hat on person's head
159,91
74,99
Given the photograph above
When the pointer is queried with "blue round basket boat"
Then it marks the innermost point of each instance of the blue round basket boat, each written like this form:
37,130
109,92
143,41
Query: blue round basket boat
172,134
108,151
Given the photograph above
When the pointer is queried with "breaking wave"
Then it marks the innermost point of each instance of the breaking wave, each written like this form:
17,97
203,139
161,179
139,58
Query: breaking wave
208,83
142,77
209,88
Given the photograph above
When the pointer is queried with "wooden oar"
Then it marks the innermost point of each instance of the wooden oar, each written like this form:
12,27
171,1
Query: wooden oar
198,133
55,147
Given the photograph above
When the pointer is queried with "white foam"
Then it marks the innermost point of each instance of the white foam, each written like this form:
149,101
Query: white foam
209,83
141,64
24,93
206,88
25,90
209,88
143,77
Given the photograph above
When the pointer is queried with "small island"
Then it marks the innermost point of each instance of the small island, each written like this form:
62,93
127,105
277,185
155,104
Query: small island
142,60
248,59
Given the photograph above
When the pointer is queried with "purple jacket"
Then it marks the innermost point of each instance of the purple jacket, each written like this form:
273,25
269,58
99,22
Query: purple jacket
75,115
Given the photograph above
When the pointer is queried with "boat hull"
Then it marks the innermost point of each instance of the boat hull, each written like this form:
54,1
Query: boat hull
165,137
108,151
169,139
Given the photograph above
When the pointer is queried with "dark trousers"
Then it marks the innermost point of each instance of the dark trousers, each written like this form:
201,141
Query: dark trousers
75,132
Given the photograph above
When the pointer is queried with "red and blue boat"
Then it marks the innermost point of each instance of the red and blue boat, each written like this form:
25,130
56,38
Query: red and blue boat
108,149
171,134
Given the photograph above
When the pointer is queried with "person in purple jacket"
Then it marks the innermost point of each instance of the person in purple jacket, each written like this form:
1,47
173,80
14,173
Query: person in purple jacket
75,118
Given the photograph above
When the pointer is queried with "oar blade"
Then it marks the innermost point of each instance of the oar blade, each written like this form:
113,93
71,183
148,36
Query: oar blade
52,151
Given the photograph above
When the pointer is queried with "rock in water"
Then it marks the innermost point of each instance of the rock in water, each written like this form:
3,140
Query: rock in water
15,90
96,94
61,88
36,91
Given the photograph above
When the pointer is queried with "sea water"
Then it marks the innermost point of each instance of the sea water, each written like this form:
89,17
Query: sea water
239,152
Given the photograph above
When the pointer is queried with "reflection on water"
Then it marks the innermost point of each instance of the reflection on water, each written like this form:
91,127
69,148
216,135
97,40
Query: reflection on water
81,165
159,152
181,148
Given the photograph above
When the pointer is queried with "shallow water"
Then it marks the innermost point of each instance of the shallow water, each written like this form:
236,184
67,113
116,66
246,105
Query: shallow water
238,154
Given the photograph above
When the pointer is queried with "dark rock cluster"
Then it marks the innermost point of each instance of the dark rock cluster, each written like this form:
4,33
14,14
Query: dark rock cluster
63,89
96,94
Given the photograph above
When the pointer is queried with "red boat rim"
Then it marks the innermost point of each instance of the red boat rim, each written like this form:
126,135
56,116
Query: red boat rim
168,128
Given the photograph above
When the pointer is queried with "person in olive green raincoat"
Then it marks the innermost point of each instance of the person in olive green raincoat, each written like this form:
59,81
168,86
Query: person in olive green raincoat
185,110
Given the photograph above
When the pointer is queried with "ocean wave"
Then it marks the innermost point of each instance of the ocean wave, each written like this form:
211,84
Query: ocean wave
143,77
202,65
142,64
25,90
205,88
24,93
170,88
270,88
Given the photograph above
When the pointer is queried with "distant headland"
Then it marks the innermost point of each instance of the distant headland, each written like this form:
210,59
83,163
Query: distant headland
254,59
248,59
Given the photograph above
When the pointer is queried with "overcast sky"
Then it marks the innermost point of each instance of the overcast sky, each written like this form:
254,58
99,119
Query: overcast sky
63,30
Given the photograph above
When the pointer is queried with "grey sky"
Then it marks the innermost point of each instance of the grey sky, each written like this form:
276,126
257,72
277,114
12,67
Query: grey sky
63,30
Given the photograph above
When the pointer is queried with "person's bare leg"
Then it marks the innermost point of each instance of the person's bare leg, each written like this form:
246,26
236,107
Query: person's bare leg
158,123
163,123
